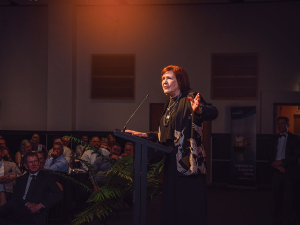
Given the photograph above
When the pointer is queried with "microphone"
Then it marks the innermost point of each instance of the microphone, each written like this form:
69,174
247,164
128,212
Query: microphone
134,113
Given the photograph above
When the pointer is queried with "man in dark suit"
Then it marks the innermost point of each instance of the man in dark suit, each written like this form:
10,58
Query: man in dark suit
284,152
34,193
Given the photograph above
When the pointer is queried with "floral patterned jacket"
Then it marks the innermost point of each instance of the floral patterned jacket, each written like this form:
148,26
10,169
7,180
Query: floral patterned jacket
190,154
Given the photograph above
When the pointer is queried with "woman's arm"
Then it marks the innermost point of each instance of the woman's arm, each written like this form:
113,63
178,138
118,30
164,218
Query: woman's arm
200,107
136,133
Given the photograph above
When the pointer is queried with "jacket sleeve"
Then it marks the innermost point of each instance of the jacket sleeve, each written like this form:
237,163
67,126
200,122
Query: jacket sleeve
18,192
208,113
153,136
48,163
61,165
56,195
17,170
294,152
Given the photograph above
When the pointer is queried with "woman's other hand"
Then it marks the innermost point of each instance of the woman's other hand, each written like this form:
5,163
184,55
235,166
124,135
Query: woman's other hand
195,103
136,133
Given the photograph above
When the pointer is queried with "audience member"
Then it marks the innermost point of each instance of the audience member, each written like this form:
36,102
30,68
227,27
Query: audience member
42,159
5,151
8,173
104,143
35,144
102,165
65,141
57,162
81,148
90,156
3,143
67,151
284,151
128,150
111,140
34,193
40,147
25,147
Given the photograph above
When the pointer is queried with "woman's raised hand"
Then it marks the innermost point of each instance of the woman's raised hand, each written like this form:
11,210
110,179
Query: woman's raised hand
136,133
195,103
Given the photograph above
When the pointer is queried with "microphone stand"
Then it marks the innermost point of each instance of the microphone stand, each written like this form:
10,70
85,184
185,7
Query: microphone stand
134,113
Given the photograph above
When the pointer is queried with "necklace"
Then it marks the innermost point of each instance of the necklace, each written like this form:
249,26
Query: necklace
171,108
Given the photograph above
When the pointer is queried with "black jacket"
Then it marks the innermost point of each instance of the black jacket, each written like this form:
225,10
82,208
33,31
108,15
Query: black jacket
45,190
292,152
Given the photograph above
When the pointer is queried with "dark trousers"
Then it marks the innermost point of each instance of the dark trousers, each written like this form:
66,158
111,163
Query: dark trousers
184,200
283,183
9,214
297,198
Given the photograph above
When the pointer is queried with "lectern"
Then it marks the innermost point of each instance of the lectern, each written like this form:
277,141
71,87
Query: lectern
140,174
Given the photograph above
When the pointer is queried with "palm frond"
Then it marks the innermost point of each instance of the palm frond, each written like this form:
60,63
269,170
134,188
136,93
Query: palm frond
71,180
118,184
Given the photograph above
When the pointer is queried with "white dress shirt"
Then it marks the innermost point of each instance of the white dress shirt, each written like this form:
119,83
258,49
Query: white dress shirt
281,147
67,154
91,157
28,183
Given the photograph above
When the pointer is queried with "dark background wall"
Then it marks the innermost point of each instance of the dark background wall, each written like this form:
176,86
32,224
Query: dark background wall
45,66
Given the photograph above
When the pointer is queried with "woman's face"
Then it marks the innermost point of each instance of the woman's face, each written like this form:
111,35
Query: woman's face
28,147
169,84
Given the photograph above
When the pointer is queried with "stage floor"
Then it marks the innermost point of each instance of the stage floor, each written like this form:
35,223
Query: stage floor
226,206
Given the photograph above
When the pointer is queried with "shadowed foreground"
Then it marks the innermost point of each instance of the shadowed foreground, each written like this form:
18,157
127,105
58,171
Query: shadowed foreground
225,207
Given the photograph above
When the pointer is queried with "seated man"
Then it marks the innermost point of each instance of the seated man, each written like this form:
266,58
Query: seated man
128,150
104,143
81,148
111,140
65,141
102,165
8,173
36,146
90,156
34,193
42,159
67,151
57,162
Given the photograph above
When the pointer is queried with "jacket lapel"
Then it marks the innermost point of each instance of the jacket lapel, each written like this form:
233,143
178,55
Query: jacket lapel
32,188
288,142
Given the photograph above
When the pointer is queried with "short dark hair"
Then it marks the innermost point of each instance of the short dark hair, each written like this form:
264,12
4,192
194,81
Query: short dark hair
104,139
110,135
117,144
94,137
284,118
84,135
30,154
43,153
56,137
34,140
60,144
181,76
129,143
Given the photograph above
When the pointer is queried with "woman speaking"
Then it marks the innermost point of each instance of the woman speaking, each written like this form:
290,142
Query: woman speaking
181,125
